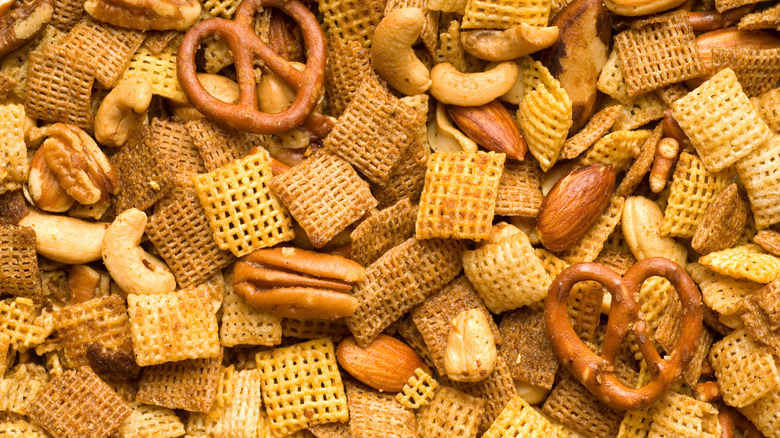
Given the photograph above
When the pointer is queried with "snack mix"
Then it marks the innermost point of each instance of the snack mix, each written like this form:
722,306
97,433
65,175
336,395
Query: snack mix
389,218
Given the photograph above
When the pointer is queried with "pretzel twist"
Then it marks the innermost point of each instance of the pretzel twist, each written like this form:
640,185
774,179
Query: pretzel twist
247,47
596,372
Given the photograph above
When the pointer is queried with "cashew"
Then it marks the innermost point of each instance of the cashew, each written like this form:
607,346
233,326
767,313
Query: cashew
505,45
642,230
516,91
448,85
224,89
122,111
132,268
392,54
531,393
64,239
274,96
443,136
634,8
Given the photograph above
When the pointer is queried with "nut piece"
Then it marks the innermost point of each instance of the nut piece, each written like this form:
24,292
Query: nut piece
65,239
45,192
122,111
80,166
392,54
145,14
386,364
443,136
505,45
448,85
723,222
297,283
491,126
25,20
641,223
471,350
221,87
575,202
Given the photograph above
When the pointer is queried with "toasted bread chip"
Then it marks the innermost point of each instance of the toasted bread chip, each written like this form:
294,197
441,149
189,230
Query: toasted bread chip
527,349
642,165
611,81
723,222
597,127
768,18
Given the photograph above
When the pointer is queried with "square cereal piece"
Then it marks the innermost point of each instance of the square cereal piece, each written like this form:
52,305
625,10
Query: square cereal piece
172,327
78,404
636,423
574,406
59,87
519,419
399,280
642,164
758,70
159,69
519,189
418,391
324,194
720,121
66,14
638,111
301,386
221,8
672,93
314,328
681,415
374,131
181,234
151,421
188,384
97,333
451,413
241,324
17,320
768,18
597,127
381,231
19,275
373,414
658,51
142,174
722,293
764,413
745,370
245,215
505,14
527,349
434,316
748,261
768,107
407,179
348,65
220,146
330,430
13,150
177,149
20,385
693,189
618,148
611,81
352,20
759,171
459,196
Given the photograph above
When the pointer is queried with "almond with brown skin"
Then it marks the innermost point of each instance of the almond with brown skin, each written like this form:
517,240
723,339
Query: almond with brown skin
386,364
491,126
575,202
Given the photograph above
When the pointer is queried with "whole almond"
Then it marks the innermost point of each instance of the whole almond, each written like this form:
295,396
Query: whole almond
575,202
491,126
386,364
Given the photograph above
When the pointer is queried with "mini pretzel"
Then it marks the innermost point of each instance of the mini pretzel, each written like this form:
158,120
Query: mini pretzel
247,47
730,420
596,372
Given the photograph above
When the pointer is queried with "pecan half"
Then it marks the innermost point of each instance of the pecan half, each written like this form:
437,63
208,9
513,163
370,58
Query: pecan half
80,166
297,283
145,14
23,22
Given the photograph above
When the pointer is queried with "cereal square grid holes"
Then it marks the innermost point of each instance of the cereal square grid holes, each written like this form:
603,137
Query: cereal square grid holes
188,384
504,14
301,386
19,275
373,414
244,214
13,150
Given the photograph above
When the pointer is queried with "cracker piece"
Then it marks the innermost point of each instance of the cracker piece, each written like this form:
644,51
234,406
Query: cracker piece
374,131
157,40
104,48
642,165
507,274
418,391
693,189
459,196
20,386
505,14
172,327
218,145
330,430
151,422
762,315
611,81
314,328
399,280
97,333
720,121
723,223
618,148
434,316
66,14
352,19
597,127
681,415
301,385
658,51
221,8
241,324
159,69
143,177
758,70
722,293
527,349
19,275
382,231
407,179
638,111
763,413
181,234
769,240
574,406
760,174
519,419
189,384
17,320
78,404
768,107
451,413
244,214
768,18
744,261
324,194
588,247
374,414
672,93
14,425
348,65
519,189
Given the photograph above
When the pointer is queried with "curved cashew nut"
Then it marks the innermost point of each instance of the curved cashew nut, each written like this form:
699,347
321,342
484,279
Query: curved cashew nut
133,269
122,111
392,54
448,85
642,229
634,8
505,45
65,239
443,136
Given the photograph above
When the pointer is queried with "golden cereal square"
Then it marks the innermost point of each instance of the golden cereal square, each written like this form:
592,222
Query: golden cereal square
219,146
19,275
348,65
221,8
20,385
374,414
505,14
13,150
451,413
519,419
188,384
173,326
450,49
764,413
245,215
302,385
381,231
768,107
151,422
243,325
722,293
459,196
519,190
159,69
418,390
720,121
748,261
352,20
681,415
759,171
324,194
611,81
78,404
672,93
17,320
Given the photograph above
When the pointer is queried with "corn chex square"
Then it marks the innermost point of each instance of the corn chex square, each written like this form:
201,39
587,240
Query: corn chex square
519,419
152,422
241,324
748,261
760,173
173,326
418,390
504,14
20,385
451,413
352,20
382,231
15,425
17,320
681,415
159,69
